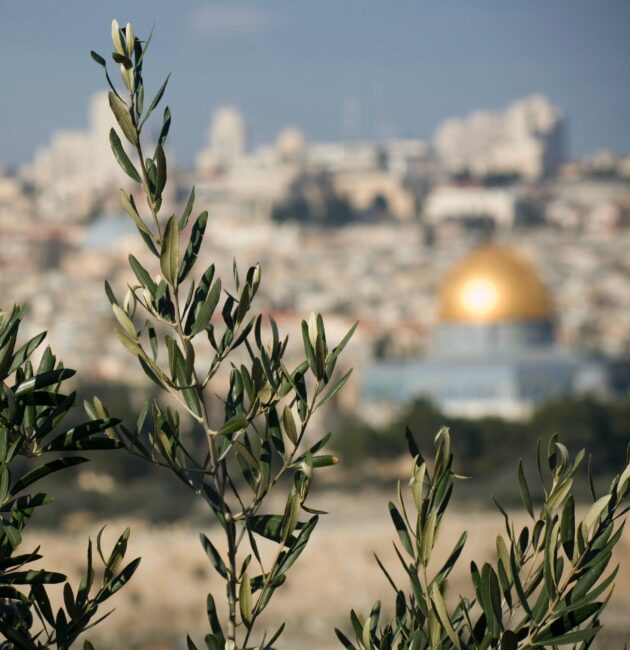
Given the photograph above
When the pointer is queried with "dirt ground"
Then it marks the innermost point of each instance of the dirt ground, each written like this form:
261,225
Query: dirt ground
166,598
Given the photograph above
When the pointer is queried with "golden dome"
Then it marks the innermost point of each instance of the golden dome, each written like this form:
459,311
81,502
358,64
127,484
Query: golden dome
494,284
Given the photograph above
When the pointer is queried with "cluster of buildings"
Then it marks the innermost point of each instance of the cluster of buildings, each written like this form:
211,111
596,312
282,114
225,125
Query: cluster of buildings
526,139
406,213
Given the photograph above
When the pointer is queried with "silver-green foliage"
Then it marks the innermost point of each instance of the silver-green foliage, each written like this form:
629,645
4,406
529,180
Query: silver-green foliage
546,587
33,405
183,329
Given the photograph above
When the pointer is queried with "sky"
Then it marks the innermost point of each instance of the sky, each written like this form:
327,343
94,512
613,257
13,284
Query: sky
335,68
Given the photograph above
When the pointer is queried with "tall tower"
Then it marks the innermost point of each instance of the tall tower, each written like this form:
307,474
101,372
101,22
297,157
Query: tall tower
227,135
100,121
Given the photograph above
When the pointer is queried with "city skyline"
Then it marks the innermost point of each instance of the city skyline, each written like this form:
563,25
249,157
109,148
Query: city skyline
401,74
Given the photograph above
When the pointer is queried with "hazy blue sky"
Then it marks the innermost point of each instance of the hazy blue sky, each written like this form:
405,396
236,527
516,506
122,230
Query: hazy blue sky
407,64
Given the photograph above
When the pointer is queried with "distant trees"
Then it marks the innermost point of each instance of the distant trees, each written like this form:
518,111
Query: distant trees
483,446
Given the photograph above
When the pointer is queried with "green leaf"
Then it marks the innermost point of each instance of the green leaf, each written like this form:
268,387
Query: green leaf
443,573
558,495
44,380
516,576
274,637
588,579
143,275
440,609
86,580
494,592
320,358
169,256
160,163
32,577
427,538
166,125
297,547
131,344
213,619
308,348
269,526
130,208
125,322
214,556
234,424
187,210
117,554
595,512
156,100
245,599
549,566
288,423
332,358
4,482
123,117
204,313
192,250
98,58
122,158
119,581
336,388
25,351
291,515
623,483
568,639
567,527
12,534
110,294
148,240
123,60
401,529
490,599
189,643
522,484
77,434
27,501
345,642
45,470
509,641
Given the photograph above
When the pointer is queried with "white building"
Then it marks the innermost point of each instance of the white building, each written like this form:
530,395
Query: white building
335,157
450,202
526,139
226,140
79,157
76,166
364,189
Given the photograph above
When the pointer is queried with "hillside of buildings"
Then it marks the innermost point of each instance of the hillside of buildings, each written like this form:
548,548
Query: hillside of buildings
363,231
373,232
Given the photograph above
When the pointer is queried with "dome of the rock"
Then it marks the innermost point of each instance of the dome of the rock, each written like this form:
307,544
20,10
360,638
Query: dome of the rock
494,285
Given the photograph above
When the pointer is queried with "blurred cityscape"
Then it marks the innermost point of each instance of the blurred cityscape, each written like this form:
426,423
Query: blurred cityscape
489,274
357,230
455,177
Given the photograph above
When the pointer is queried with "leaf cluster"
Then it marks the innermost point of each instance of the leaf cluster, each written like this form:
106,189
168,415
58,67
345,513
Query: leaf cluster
546,587
184,329
33,405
